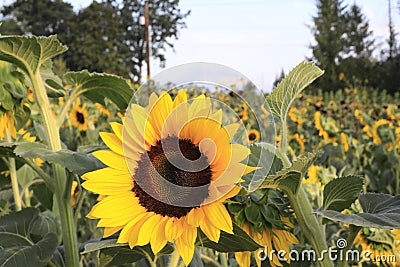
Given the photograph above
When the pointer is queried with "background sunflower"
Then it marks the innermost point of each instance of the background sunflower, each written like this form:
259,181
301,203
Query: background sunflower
79,116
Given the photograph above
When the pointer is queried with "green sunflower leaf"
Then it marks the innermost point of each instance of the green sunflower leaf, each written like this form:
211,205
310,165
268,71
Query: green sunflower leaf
22,243
263,156
77,162
341,192
379,211
29,53
290,87
101,244
113,253
96,87
239,241
52,82
7,150
290,178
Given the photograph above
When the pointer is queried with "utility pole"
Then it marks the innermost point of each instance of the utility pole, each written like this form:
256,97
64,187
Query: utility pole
147,37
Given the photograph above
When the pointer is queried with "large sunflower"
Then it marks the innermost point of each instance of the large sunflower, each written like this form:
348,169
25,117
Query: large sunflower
79,116
170,168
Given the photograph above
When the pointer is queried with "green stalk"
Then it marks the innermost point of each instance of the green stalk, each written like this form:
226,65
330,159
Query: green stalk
49,181
309,224
350,240
14,185
174,258
65,108
62,184
223,259
284,137
14,180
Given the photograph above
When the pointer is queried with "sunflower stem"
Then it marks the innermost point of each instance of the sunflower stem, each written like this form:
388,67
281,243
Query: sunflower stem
14,185
62,183
14,179
174,259
65,108
284,138
48,180
350,240
309,224
223,259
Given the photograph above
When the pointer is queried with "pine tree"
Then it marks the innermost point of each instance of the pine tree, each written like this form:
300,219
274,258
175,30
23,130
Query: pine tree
329,32
359,37
357,64
344,44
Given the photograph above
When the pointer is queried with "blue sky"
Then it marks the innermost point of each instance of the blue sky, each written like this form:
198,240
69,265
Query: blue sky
256,37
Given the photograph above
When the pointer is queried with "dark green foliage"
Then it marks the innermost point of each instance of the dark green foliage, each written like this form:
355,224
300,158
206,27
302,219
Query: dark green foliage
38,17
96,40
329,33
344,47
344,44
23,243
105,36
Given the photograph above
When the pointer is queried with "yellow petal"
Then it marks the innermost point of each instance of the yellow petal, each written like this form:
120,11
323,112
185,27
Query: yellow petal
239,152
113,142
189,234
108,231
158,239
129,230
180,98
217,116
115,221
232,129
176,120
152,101
143,126
117,205
195,217
111,159
243,258
186,251
198,104
117,129
132,138
134,236
173,229
233,192
107,187
210,231
159,113
217,214
146,230
109,174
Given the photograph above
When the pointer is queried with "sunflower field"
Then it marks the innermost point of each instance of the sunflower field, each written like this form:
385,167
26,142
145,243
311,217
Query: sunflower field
98,171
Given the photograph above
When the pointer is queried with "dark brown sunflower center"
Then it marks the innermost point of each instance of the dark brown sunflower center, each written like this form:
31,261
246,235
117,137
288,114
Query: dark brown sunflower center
80,117
172,177
252,137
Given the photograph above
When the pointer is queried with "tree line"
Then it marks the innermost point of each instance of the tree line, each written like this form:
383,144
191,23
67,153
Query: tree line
107,37
104,37
346,49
